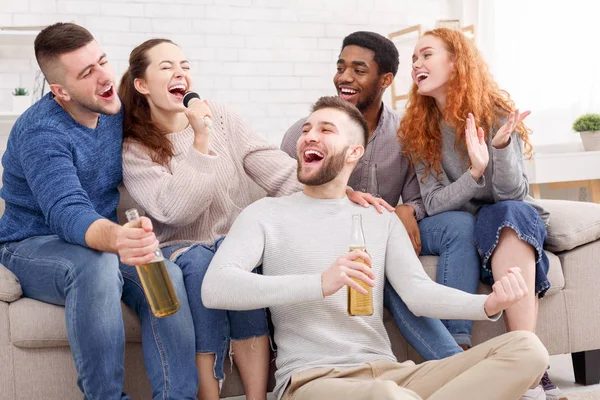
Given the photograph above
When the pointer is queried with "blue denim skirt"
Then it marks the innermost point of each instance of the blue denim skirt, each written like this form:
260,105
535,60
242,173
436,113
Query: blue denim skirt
526,222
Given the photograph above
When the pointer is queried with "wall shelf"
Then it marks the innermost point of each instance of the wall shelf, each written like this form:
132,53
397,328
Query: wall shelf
18,35
8,116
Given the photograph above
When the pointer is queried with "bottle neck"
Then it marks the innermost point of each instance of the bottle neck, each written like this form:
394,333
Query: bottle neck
132,215
357,237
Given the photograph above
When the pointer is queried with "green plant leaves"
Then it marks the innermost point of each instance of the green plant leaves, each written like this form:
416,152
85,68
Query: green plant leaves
587,122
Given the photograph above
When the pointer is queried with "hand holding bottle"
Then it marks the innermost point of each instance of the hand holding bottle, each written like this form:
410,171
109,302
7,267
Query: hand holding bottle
355,264
153,273
136,242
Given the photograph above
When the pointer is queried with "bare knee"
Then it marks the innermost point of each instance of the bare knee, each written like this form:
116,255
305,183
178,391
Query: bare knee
509,237
508,232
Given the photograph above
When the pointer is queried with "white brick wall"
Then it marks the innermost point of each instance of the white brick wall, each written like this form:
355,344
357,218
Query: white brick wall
267,59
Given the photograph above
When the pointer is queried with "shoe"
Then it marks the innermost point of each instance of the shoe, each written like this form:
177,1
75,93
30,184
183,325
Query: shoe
537,393
552,391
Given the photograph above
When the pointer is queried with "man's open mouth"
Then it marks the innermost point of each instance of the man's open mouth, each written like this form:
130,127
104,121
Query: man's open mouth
347,93
312,156
178,90
108,92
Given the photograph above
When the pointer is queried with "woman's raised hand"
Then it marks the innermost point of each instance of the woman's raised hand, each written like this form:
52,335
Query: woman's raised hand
476,148
502,138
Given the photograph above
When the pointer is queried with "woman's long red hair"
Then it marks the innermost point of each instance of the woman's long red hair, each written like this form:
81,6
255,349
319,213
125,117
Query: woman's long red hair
470,89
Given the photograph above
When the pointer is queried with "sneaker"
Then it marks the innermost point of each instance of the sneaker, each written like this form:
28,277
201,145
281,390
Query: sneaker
552,391
537,393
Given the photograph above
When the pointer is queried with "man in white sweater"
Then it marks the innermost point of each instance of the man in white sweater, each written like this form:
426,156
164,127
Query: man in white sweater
302,243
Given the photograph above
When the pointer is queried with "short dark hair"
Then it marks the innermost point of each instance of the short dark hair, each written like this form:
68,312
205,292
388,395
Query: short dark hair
56,40
386,54
348,108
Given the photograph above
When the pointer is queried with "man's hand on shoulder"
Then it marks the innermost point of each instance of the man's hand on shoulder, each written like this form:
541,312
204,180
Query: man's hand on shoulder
406,213
348,266
136,242
506,292
364,199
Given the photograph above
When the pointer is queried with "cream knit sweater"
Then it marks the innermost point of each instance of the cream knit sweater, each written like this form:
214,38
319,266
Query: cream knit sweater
198,196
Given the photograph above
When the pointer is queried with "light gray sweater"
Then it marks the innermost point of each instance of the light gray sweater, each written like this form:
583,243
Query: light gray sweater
505,178
296,238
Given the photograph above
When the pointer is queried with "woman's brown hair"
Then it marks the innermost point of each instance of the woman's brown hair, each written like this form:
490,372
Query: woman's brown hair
137,124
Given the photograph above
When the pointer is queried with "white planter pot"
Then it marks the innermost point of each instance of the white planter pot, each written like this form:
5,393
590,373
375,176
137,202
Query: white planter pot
21,103
591,140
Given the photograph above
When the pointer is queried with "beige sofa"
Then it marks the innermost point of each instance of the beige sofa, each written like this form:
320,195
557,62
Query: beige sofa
35,361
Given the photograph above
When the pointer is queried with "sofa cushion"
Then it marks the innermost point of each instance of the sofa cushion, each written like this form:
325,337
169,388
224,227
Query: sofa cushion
555,273
10,288
35,324
572,224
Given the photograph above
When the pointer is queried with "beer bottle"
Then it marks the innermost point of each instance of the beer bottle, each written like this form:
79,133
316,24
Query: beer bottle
358,303
156,282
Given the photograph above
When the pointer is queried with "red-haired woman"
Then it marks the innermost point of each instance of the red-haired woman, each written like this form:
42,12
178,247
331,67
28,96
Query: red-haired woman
466,141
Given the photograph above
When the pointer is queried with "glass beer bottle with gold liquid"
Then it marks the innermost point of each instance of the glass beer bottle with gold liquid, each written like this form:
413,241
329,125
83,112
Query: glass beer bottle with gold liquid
156,282
358,303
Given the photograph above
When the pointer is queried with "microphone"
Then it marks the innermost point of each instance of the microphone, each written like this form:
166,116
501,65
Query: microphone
190,97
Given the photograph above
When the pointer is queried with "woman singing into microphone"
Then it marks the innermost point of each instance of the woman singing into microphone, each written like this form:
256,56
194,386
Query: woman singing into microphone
193,181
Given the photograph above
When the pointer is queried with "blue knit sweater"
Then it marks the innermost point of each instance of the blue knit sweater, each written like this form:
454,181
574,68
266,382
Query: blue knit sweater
59,176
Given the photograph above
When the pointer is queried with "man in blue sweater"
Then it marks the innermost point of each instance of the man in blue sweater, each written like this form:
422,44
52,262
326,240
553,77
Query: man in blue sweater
59,232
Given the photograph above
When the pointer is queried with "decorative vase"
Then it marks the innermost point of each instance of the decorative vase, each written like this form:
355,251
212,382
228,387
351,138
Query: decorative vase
591,140
21,103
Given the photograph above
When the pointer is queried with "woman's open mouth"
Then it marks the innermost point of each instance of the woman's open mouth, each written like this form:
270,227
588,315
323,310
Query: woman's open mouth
178,91
421,76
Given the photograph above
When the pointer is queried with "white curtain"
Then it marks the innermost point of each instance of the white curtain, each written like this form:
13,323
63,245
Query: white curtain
547,56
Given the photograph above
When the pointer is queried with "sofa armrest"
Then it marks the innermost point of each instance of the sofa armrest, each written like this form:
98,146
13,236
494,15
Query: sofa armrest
572,224
10,288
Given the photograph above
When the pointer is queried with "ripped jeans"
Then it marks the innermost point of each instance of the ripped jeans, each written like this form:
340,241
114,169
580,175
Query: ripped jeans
214,328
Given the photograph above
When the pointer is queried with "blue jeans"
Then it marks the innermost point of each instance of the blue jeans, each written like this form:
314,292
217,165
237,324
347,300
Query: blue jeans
449,235
90,285
214,328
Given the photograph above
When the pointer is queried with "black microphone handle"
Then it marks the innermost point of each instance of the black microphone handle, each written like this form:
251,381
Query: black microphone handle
189,97
193,96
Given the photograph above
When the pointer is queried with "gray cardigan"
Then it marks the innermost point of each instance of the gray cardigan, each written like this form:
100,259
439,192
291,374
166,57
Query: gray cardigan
504,178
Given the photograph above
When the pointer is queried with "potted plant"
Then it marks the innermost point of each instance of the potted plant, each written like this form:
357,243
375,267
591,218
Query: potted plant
21,100
588,126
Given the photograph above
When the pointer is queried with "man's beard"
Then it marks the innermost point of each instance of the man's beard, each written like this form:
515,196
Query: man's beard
328,171
366,103
95,107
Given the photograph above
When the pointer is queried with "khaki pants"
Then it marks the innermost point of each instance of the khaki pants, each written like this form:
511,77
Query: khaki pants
502,368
